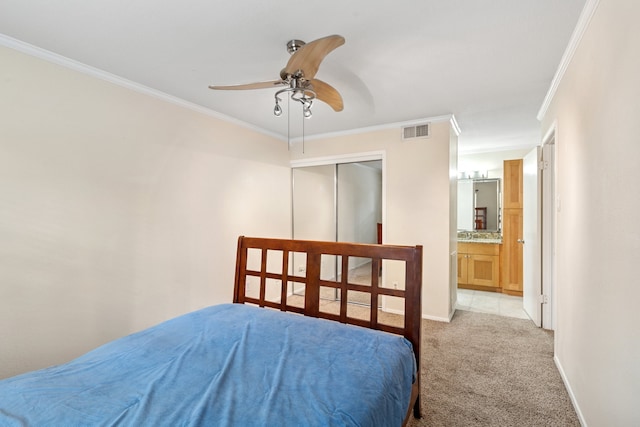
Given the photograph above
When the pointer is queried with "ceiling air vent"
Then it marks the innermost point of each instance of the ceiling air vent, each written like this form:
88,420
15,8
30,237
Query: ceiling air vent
418,131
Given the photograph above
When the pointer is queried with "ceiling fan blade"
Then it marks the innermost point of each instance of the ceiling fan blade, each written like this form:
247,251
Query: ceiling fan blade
259,85
326,93
308,58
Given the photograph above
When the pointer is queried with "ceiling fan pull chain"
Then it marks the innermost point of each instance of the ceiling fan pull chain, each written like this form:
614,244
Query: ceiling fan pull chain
288,123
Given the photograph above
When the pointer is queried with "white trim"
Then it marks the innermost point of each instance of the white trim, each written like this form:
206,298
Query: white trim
448,117
74,65
455,125
344,158
585,17
572,396
550,133
424,316
437,318
550,284
392,311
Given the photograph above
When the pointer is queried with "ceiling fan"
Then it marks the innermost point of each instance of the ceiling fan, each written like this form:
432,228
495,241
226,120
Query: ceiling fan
298,76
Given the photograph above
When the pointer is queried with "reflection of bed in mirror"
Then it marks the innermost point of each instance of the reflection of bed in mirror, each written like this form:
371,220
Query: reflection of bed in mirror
270,359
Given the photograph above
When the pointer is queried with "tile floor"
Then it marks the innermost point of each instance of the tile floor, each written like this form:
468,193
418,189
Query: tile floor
491,302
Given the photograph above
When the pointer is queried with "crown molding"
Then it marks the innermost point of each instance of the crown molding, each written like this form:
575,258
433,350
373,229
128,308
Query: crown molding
80,67
396,125
583,22
455,125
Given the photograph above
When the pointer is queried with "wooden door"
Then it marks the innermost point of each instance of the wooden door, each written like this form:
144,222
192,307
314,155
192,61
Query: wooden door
512,193
512,272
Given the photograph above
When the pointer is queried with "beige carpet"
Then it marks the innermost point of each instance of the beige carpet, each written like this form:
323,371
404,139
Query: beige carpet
486,370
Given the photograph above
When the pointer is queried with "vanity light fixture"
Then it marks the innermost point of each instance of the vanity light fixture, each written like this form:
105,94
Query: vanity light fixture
473,175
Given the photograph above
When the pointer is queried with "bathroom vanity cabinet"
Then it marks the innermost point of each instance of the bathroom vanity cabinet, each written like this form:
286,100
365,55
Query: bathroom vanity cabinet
478,265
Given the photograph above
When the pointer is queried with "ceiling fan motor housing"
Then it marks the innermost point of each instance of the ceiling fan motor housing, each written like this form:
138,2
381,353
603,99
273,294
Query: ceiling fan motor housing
294,45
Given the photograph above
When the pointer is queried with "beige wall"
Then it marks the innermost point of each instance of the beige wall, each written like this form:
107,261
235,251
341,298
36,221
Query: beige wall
314,212
597,339
417,207
118,210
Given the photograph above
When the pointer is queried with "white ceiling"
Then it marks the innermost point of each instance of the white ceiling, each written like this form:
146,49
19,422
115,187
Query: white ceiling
488,62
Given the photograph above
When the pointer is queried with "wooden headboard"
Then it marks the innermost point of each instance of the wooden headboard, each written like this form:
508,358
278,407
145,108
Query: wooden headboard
264,272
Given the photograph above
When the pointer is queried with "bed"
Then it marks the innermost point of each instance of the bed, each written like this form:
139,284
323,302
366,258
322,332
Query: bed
270,358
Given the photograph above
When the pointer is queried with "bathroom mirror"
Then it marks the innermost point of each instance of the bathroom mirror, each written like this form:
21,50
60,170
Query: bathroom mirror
479,204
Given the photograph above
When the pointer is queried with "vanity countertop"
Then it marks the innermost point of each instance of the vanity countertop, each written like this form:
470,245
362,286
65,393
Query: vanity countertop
480,236
471,240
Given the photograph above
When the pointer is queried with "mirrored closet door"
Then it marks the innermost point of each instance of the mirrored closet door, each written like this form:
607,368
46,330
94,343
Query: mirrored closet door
338,202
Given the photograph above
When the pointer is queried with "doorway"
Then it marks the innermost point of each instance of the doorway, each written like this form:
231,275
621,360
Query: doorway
540,233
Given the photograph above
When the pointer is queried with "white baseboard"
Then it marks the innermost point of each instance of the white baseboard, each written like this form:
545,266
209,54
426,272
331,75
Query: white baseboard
565,380
424,316
388,310
436,318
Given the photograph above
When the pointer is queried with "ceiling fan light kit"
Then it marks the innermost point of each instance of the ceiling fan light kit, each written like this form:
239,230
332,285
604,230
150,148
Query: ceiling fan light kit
298,76
303,95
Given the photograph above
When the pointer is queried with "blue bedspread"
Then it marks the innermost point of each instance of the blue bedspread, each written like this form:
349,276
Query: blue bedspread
226,365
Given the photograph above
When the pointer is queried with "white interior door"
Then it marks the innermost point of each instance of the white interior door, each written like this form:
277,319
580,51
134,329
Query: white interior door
531,236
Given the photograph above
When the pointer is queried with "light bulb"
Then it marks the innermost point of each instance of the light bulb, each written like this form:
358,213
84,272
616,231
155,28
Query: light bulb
306,112
277,111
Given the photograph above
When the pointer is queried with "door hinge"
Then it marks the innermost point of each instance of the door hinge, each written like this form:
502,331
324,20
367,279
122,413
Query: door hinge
543,299
543,165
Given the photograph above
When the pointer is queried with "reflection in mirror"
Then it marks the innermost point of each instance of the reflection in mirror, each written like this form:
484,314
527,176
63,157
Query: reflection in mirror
359,208
313,213
479,205
338,202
